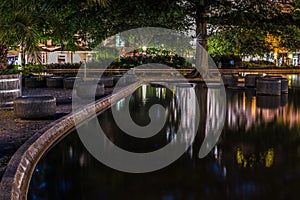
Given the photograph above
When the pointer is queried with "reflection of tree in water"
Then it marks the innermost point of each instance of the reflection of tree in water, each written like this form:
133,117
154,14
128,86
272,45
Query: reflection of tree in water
261,157
265,138
245,109
294,80
212,117
295,94
258,162
259,145
180,110
215,116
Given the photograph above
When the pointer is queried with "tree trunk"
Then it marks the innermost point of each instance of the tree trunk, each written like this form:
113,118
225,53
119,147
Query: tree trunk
201,28
3,56
23,55
201,34
71,57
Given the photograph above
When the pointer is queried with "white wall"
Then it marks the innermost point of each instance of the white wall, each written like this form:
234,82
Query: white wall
52,57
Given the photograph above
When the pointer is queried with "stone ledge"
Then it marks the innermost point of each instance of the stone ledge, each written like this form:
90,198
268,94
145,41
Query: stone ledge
16,179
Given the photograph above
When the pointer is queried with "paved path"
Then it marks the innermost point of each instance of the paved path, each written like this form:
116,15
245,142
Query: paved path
14,131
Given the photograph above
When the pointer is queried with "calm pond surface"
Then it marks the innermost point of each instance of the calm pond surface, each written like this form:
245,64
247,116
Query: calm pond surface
257,155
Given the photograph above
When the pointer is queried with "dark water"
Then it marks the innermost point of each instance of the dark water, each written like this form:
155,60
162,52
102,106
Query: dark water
257,155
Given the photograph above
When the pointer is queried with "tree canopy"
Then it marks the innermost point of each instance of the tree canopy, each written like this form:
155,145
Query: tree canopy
243,25
274,30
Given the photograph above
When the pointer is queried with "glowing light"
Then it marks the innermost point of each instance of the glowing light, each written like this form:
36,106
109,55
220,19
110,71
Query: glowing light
265,158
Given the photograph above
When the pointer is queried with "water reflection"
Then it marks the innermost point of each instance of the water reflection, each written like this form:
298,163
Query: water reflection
215,117
257,155
245,109
294,80
264,158
189,115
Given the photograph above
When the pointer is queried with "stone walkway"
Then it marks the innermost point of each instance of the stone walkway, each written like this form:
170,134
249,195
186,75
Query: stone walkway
14,131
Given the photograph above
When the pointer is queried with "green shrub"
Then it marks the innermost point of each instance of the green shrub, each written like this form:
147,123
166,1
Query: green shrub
261,65
63,66
134,61
11,69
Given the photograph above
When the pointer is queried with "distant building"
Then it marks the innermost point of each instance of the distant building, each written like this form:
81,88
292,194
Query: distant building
51,53
61,57
12,58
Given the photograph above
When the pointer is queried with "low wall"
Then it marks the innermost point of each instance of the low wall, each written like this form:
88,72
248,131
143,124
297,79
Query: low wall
15,181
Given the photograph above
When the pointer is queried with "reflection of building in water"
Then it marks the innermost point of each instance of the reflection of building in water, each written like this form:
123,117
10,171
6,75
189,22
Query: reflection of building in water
245,109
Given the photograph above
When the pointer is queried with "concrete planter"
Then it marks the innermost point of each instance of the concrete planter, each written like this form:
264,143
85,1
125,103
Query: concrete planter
284,83
116,78
229,79
250,80
35,82
54,82
69,82
107,81
35,107
89,89
10,89
268,86
124,80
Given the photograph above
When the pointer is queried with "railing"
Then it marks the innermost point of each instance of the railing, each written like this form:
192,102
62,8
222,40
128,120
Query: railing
182,71
267,71
66,71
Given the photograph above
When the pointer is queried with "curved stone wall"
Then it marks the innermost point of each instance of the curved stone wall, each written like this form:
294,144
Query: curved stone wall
16,179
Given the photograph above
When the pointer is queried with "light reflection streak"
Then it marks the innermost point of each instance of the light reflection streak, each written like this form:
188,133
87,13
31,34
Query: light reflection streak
215,110
120,104
187,103
158,92
144,94
254,110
